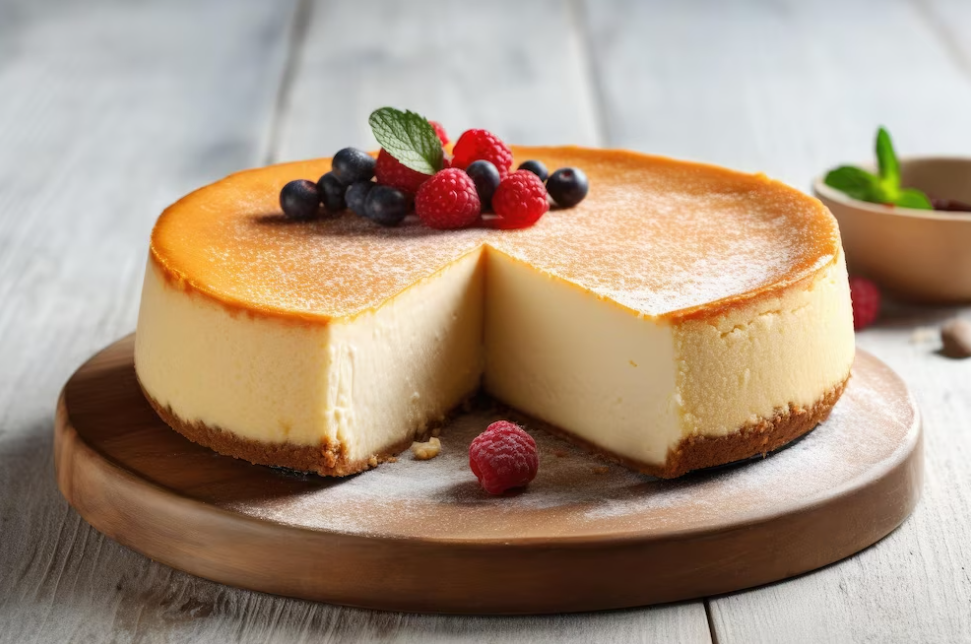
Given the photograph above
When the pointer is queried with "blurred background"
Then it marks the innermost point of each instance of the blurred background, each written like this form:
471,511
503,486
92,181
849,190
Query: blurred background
112,109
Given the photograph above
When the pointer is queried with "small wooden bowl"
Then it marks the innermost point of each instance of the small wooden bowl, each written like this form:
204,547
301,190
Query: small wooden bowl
918,254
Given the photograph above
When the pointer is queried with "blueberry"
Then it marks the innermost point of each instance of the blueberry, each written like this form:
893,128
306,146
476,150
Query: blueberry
568,186
536,167
485,176
300,199
356,194
386,205
352,165
331,191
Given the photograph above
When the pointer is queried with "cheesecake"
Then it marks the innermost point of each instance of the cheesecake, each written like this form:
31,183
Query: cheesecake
682,316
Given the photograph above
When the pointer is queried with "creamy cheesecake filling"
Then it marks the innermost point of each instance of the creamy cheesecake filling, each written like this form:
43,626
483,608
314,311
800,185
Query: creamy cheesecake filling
394,370
560,353
365,383
628,384
784,350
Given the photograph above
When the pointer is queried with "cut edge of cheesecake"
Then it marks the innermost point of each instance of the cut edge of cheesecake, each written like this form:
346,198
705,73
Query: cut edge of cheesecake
666,450
699,451
691,453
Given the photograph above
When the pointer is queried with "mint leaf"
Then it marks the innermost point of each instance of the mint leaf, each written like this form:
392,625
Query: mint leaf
884,189
913,198
857,183
887,162
409,138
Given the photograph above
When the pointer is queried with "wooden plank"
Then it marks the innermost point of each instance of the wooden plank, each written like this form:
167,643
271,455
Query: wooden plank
515,68
518,69
129,107
916,584
111,110
792,88
87,159
949,20
788,87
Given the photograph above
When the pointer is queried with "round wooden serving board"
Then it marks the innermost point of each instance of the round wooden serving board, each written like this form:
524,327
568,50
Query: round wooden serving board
421,536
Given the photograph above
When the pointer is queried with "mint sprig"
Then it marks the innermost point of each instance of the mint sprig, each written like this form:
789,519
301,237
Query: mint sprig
887,163
409,138
884,188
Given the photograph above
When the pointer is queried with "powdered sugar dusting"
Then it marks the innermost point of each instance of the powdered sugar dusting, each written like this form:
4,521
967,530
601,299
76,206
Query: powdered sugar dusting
653,235
576,494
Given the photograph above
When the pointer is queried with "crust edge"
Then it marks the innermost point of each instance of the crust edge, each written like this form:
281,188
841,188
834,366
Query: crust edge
327,459
699,452
691,453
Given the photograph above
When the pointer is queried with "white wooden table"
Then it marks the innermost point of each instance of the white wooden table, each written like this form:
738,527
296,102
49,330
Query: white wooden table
109,110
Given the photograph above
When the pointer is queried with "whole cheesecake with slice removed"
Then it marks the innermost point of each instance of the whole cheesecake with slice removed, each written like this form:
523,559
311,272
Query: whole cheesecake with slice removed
682,316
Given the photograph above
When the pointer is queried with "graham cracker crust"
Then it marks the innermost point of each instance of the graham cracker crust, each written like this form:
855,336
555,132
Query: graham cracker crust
692,453
326,459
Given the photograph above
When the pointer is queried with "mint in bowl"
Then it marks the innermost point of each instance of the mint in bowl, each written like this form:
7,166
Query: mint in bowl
902,223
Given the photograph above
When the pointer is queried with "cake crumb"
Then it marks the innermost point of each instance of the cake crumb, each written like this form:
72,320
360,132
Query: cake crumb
600,469
560,453
923,334
373,461
427,450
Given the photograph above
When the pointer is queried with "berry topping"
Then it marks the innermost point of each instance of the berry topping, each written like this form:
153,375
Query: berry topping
520,200
391,172
331,191
951,205
351,165
536,167
448,200
865,296
386,205
300,199
568,186
474,145
486,179
503,457
356,194
439,132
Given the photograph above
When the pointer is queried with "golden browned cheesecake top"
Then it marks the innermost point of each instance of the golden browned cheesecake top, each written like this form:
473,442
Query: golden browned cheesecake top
663,238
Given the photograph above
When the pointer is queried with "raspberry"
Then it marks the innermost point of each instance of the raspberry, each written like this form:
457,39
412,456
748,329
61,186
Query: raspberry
519,201
448,200
391,172
475,145
865,296
440,131
503,457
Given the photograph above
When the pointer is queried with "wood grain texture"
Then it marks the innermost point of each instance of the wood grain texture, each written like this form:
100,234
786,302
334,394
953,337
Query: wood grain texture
74,280
110,110
422,537
787,87
456,73
517,68
916,584
792,88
